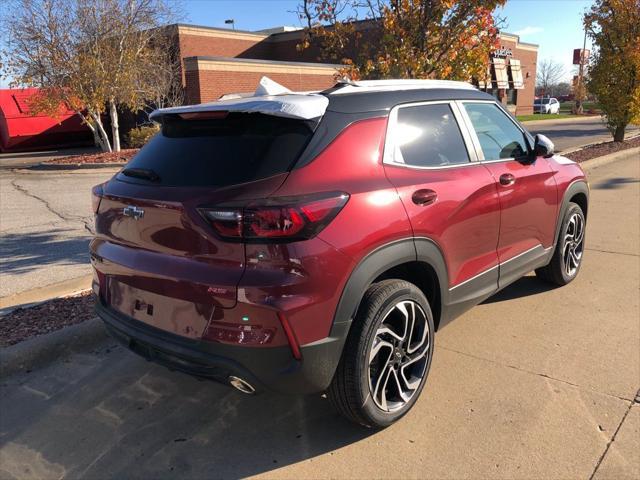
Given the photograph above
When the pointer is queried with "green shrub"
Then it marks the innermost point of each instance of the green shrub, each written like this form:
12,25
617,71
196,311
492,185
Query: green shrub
138,136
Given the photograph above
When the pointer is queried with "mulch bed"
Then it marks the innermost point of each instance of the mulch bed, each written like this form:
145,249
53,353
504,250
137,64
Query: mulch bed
122,156
23,323
593,151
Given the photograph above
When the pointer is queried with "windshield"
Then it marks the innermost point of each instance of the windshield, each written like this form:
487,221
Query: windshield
542,101
239,148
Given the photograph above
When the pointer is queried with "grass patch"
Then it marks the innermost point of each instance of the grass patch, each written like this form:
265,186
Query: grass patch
541,116
567,107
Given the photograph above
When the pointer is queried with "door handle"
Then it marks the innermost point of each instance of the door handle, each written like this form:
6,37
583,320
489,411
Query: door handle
507,179
424,197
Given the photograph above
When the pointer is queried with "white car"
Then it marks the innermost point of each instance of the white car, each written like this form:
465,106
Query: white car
546,105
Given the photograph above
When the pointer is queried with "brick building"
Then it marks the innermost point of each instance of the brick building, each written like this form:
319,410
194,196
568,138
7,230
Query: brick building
218,61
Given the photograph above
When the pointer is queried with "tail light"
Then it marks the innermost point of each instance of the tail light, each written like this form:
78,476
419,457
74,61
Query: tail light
96,196
280,219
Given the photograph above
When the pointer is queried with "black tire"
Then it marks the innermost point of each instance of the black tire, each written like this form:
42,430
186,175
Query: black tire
350,391
557,271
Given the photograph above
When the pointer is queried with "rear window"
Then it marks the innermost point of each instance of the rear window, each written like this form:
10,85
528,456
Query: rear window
239,148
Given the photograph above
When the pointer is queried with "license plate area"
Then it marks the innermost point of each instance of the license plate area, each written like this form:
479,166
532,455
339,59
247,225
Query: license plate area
180,317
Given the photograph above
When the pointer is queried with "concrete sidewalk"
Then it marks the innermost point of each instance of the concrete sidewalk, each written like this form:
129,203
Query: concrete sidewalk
535,383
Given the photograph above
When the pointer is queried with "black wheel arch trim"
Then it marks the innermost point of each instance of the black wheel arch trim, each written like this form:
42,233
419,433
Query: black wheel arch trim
380,260
577,187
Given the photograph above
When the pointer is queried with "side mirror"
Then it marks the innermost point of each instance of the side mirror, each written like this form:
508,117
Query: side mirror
543,147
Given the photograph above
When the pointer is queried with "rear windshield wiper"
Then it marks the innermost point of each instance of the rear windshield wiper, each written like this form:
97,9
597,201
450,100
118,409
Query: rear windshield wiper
144,173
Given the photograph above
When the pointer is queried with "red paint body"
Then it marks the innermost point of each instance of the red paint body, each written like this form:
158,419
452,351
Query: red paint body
238,293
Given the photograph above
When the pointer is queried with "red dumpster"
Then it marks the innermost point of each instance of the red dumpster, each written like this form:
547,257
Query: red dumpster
20,131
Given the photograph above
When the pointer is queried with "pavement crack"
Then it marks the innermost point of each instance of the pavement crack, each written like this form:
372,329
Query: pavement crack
613,438
73,218
538,374
23,190
613,252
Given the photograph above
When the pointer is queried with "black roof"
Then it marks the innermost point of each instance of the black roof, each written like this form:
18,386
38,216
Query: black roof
370,100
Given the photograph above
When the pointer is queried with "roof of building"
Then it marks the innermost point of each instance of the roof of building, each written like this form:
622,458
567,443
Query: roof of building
285,30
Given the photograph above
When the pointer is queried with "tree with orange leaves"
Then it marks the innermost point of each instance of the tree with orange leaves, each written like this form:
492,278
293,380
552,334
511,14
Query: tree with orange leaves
377,39
614,70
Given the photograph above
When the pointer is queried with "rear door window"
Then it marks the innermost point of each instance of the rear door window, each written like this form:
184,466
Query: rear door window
427,136
218,152
499,137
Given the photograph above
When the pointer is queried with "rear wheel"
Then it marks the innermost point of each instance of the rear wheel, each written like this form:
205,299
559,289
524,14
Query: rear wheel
567,257
387,355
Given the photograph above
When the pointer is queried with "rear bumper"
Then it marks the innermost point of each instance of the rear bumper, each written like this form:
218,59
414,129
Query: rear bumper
265,368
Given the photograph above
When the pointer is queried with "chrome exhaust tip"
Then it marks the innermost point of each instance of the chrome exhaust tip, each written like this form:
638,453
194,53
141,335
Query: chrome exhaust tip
242,385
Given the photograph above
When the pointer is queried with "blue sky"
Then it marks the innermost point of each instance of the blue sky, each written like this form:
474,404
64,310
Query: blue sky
555,25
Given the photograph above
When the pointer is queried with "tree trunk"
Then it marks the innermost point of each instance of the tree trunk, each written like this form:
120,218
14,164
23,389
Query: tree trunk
102,134
618,134
115,128
96,138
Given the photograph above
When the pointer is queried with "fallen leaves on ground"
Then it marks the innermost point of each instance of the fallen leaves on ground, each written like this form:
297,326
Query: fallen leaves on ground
122,156
23,323
601,149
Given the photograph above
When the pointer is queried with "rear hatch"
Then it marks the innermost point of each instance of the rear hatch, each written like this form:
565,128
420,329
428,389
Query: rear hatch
157,257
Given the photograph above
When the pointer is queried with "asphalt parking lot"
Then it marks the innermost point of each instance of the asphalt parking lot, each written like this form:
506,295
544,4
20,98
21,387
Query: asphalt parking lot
536,382
45,227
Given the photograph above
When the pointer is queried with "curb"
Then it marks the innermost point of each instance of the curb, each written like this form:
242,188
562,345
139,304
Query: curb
43,294
74,166
612,157
37,351
593,144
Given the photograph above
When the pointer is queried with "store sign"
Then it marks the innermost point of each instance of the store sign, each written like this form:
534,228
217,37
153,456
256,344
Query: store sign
580,56
502,52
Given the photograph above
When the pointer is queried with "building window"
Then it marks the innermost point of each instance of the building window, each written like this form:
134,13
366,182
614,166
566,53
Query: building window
501,75
512,96
515,70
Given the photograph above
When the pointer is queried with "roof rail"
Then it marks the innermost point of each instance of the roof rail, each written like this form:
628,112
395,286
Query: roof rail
350,86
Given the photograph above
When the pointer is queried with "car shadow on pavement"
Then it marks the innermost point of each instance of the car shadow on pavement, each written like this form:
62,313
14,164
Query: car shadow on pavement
111,414
524,287
21,253
615,183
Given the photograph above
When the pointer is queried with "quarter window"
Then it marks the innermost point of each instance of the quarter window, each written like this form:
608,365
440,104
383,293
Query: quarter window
498,135
427,136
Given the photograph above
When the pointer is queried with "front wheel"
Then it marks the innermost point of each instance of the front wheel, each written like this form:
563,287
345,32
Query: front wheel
567,257
386,358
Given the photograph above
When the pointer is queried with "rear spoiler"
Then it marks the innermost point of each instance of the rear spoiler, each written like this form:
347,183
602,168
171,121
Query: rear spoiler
296,106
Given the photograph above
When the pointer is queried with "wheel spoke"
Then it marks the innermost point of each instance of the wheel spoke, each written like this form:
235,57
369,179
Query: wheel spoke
411,349
384,379
379,345
387,331
574,258
405,396
408,318
579,234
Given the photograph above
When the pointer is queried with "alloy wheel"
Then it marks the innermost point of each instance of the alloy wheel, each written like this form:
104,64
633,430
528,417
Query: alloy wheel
398,356
573,244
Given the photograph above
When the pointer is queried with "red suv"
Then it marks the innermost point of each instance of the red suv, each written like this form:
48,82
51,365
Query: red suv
315,242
